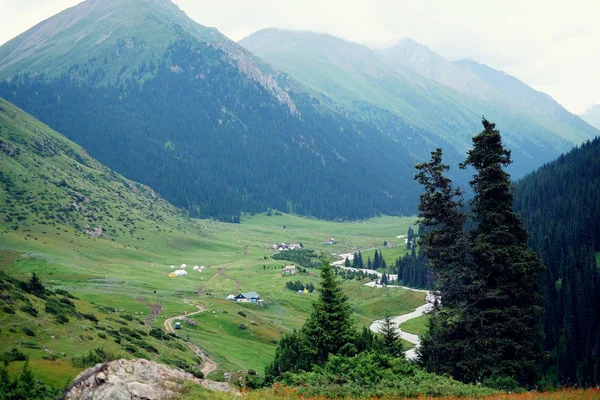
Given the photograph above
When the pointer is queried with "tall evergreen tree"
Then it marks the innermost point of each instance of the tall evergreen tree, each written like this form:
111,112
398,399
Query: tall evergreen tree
504,322
444,243
328,330
329,327
390,338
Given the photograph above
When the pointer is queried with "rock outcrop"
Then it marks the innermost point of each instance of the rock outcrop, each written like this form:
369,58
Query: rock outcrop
134,379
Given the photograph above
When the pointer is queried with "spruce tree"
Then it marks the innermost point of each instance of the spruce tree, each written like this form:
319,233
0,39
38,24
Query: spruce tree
504,321
444,243
391,343
35,286
330,328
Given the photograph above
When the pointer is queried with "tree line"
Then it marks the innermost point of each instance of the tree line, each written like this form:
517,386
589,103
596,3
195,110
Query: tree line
560,204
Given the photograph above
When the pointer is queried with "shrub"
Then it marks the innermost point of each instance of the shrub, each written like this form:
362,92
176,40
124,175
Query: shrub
61,319
243,326
129,332
93,357
159,334
28,331
90,317
102,335
504,383
130,348
13,355
126,316
64,293
242,314
68,302
146,346
30,345
29,309
8,309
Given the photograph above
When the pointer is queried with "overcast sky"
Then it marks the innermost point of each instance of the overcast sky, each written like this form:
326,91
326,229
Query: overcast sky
552,45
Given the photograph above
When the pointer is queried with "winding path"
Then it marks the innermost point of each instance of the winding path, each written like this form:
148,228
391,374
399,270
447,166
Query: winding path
208,365
418,312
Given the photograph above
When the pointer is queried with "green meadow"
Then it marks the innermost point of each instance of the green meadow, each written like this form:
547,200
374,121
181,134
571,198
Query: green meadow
127,273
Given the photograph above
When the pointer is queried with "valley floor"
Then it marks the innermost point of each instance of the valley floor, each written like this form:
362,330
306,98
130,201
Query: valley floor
130,273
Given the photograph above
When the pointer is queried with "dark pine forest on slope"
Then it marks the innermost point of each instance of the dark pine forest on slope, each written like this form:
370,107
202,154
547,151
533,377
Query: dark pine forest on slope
560,204
217,131
221,145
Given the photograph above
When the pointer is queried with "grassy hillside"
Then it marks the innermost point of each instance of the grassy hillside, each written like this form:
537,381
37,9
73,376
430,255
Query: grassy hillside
110,243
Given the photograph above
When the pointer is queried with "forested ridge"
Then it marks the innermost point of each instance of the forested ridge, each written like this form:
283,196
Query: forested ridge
215,143
560,204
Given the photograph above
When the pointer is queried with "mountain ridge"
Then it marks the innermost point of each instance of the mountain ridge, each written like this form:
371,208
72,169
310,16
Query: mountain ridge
353,76
209,125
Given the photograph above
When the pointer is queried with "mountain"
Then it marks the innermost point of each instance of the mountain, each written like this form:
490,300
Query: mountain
49,180
215,130
426,62
440,100
573,128
560,204
592,116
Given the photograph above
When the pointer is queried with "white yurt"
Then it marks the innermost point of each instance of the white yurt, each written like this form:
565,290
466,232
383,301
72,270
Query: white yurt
181,273
172,266
196,268
183,266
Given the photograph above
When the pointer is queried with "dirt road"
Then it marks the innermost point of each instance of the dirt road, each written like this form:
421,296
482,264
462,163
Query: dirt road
208,365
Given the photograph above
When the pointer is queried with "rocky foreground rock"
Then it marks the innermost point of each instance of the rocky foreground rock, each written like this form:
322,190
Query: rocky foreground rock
134,379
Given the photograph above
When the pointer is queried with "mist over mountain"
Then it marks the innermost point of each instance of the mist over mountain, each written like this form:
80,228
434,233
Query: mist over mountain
592,116
416,85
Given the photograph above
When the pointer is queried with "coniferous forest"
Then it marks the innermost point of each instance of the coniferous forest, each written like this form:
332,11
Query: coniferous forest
560,204
216,144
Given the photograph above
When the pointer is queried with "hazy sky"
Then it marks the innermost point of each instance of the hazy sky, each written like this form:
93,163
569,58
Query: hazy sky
552,45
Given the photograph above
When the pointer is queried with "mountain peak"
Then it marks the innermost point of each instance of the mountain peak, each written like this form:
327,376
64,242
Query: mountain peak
98,28
420,58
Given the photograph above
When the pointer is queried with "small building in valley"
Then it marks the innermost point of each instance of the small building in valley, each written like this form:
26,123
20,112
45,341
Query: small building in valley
289,270
329,241
249,297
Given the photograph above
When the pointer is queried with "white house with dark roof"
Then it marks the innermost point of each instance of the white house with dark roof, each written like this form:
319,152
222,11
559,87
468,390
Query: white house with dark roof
249,297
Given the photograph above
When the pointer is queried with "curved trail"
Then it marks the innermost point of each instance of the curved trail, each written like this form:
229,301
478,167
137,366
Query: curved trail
208,365
418,312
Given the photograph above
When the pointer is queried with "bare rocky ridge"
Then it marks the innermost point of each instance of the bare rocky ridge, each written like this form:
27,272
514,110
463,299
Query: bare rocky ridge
134,379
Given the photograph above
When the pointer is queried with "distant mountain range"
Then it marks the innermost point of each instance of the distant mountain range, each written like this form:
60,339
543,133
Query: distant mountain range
301,122
419,86
592,116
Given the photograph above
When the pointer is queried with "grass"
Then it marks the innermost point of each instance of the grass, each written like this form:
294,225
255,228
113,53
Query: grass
417,326
289,394
114,273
